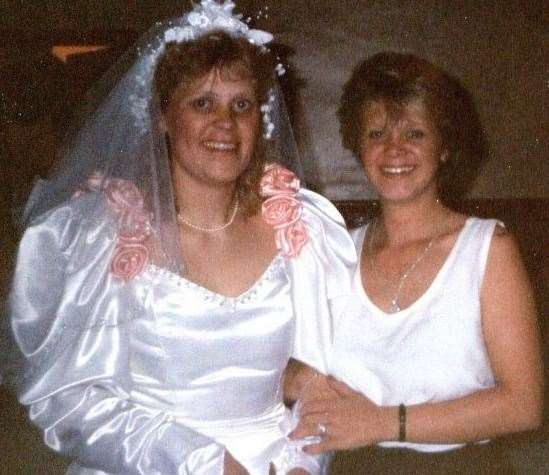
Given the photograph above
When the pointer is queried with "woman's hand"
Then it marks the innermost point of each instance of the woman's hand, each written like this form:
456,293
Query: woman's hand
232,467
305,383
350,420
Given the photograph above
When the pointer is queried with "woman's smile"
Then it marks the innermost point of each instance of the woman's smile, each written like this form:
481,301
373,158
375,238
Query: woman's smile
219,146
397,171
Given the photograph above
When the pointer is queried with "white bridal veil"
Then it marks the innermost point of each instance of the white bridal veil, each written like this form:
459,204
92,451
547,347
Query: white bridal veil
116,147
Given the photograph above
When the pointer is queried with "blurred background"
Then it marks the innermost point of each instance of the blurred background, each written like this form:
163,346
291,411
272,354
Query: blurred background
52,52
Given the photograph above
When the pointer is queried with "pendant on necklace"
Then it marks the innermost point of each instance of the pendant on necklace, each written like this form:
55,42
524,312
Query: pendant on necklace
394,306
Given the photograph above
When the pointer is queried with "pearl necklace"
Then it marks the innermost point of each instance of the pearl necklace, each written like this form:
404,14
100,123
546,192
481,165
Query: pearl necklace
206,229
395,307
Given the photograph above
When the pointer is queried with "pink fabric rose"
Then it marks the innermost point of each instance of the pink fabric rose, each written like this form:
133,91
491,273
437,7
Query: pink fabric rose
134,225
129,260
123,195
291,239
277,180
281,211
130,255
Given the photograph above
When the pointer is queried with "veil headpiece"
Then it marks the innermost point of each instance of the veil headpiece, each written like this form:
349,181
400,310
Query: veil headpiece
117,137
114,173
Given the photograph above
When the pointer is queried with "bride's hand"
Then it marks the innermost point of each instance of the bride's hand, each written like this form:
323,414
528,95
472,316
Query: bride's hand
232,467
317,388
304,383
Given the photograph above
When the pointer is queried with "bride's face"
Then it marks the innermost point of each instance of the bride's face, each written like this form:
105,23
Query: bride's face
213,126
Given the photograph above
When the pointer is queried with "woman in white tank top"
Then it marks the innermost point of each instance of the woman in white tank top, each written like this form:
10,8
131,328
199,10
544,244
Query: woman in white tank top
439,348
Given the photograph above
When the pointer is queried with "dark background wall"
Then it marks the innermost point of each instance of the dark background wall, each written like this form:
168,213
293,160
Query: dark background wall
498,49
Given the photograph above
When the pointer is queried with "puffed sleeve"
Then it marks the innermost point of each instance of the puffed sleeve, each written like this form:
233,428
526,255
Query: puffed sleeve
321,278
71,322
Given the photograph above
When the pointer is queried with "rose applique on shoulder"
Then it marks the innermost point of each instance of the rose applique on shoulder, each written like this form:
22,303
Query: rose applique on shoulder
282,210
130,255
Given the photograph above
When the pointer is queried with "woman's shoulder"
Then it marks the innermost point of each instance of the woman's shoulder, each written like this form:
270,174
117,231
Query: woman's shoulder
64,224
99,213
281,187
319,205
503,243
302,219
483,229
486,242
478,221
78,209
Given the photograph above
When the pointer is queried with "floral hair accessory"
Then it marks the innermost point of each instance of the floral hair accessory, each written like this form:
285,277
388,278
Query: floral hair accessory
283,210
130,255
208,15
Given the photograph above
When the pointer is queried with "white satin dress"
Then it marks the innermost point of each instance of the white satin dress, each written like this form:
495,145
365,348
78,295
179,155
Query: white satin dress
160,375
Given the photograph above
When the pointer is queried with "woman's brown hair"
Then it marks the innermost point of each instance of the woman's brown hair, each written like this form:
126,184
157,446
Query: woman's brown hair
397,79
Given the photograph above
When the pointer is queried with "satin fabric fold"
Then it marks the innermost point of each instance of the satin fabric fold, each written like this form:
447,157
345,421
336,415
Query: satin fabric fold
160,375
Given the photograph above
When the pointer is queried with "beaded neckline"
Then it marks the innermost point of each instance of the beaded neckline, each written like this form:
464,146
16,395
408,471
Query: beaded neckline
215,297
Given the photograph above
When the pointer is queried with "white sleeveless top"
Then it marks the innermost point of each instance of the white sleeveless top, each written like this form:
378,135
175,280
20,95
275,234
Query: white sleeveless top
431,351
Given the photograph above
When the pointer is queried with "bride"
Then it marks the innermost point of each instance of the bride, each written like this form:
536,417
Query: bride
171,266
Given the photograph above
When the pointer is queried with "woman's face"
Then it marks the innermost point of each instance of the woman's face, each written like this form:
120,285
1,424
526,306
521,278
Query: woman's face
213,126
400,154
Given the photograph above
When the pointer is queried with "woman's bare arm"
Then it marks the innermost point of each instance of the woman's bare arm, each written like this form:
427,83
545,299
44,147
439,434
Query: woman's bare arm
515,403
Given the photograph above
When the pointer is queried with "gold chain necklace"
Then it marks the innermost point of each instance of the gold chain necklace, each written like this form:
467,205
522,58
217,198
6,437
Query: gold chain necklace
395,307
206,229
